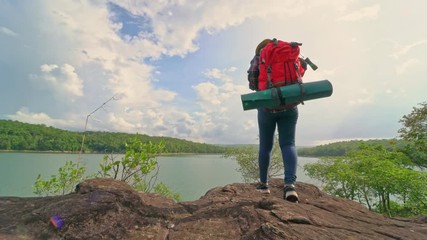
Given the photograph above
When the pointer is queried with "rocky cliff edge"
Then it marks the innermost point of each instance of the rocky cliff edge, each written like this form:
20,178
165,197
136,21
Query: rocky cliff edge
109,209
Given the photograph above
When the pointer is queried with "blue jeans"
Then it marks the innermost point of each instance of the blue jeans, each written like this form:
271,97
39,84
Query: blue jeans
286,122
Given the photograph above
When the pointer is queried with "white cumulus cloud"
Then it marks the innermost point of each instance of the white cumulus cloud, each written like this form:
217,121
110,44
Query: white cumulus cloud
25,115
62,79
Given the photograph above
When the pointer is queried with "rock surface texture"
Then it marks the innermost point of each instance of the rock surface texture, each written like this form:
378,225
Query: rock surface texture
108,209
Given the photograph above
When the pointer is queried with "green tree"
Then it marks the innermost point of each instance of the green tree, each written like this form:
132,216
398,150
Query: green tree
341,148
135,166
247,159
20,136
138,167
61,183
336,174
414,131
382,180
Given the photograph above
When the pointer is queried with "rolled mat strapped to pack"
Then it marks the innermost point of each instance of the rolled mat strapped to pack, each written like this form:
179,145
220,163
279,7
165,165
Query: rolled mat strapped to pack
294,93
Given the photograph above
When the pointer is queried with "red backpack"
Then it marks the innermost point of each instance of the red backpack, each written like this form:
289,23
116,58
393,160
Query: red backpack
279,64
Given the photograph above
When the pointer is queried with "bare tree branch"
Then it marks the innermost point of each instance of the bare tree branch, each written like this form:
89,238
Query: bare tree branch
87,119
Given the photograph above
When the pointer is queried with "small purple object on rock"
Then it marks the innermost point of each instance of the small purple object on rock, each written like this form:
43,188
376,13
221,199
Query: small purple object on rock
56,221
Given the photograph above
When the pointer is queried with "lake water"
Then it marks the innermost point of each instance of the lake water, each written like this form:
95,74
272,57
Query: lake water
190,175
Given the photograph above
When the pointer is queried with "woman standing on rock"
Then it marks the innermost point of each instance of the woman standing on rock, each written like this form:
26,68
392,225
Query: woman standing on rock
268,70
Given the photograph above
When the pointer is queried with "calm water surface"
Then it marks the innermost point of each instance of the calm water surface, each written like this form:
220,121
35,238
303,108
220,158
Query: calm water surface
190,175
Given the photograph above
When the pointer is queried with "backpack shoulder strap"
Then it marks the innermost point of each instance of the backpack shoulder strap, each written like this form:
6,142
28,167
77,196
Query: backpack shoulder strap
269,82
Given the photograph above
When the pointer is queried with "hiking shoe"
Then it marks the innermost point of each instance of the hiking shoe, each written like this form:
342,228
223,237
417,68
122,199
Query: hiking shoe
290,194
263,188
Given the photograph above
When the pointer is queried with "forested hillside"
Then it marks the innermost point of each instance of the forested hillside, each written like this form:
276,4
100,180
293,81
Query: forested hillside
340,148
18,136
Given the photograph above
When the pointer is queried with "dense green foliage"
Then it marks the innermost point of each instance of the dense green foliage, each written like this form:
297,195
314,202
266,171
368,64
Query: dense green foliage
23,136
341,148
138,167
382,180
414,131
18,136
383,175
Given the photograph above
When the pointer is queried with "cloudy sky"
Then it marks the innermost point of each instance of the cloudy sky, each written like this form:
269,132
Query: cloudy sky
178,67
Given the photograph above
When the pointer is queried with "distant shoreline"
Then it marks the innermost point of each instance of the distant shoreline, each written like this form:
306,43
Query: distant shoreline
71,152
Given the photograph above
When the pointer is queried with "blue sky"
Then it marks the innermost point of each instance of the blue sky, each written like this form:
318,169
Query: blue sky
178,67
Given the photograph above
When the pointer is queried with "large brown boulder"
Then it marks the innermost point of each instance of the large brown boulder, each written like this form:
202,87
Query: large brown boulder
108,209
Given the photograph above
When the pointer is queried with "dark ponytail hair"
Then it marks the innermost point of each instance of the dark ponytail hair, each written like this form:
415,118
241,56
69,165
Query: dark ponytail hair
261,45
